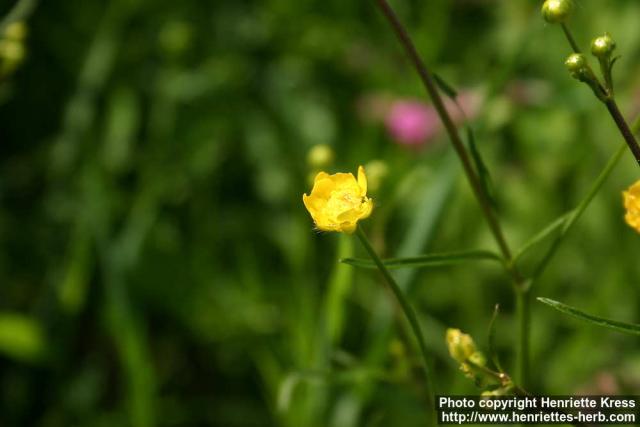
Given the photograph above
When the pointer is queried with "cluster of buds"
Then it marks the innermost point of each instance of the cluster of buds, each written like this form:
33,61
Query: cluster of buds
558,12
12,49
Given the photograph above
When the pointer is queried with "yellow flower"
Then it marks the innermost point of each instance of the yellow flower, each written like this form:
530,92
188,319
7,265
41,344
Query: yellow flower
337,202
632,204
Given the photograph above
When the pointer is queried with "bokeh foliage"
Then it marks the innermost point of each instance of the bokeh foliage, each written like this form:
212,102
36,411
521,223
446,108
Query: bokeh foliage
157,266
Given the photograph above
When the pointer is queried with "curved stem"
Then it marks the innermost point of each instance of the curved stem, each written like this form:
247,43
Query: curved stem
406,308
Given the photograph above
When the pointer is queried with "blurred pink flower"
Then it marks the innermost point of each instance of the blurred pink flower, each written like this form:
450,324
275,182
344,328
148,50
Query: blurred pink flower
411,122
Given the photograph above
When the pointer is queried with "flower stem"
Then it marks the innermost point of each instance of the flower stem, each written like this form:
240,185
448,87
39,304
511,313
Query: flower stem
570,38
623,126
406,308
523,313
452,131
611,104
518,282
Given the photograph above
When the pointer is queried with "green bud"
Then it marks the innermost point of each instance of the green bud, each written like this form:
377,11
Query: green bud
16,31
11,52
461,346
603,46
557,11
577,65
320,156
377,170
580,70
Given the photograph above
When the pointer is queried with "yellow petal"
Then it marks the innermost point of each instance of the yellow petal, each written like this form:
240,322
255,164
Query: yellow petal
367,207
322,188
348,227
345,181
362,180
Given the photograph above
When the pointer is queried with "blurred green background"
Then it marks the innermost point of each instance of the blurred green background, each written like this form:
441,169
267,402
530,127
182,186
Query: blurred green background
158,268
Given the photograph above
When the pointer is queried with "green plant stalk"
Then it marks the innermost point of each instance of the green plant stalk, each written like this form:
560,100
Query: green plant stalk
577,213
408,312
610,102
523,314
623,126
431,87
569,36
518,282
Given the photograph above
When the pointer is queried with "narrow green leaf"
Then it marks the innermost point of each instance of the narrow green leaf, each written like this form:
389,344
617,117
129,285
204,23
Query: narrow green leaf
628,328
493,354
613,62
481,168
425,261
445,87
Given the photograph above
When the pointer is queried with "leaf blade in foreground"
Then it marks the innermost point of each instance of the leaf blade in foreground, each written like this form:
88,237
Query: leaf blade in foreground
628,328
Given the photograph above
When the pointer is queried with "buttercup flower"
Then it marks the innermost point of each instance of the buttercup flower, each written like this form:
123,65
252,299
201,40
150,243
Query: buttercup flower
337,202
632,205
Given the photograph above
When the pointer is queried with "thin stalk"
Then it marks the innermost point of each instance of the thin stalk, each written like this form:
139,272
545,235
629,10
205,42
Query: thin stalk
570,38
523,314
611,105
406,308
456,140
518,282
577,213
623,126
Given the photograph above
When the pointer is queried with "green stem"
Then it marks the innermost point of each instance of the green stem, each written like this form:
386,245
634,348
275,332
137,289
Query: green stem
519,284
452,130
570,38
577,213
623,126
406,308
523,313
610,103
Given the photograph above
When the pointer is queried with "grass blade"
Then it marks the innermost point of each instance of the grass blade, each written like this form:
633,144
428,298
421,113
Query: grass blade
627,328
493,353
426,261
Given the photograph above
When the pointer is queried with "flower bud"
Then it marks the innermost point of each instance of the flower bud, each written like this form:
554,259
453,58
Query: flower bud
461,346
320,156
16,31
12,53
377,170
577,65
603,46
557,11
